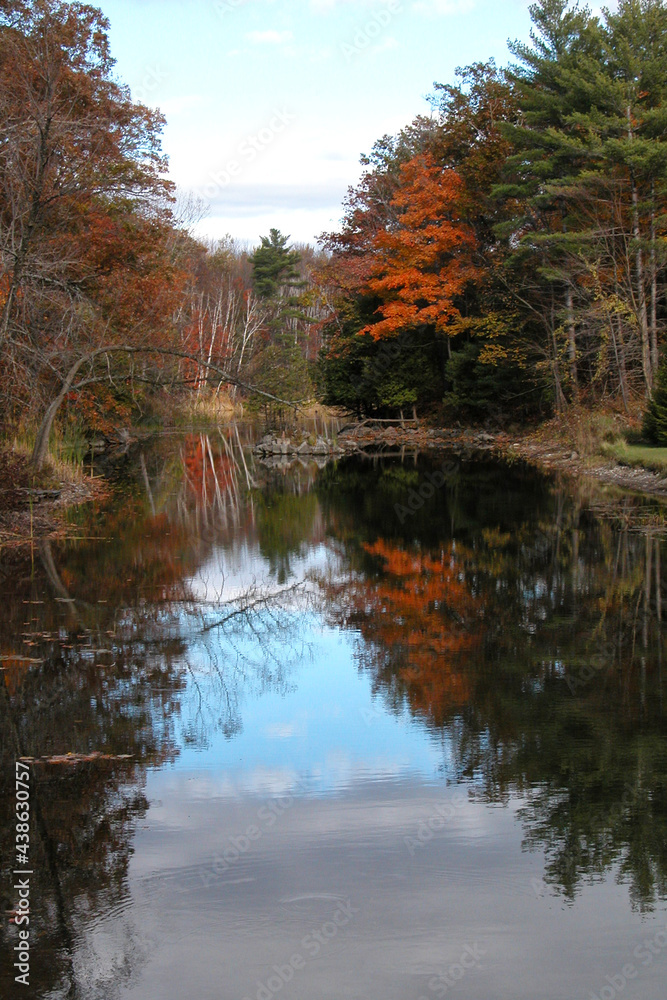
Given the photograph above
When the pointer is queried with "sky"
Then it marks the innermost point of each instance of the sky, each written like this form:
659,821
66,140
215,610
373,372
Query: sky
270,103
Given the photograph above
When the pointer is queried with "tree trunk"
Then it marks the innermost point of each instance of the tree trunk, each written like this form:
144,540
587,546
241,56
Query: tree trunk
639,272
571,342
620,362
641,291
655,358
560,398
41,449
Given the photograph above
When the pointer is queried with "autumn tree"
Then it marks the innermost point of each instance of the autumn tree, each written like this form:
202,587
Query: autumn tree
470,320
81,192
422,266
404,257
94,269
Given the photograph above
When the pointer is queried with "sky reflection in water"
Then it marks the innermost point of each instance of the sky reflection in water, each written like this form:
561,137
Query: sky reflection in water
445,753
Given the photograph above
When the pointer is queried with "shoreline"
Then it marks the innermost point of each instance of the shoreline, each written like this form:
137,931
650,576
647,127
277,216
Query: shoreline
46,519
543,448
540,447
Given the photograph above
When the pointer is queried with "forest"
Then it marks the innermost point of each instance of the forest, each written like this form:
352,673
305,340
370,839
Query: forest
314,594
501,259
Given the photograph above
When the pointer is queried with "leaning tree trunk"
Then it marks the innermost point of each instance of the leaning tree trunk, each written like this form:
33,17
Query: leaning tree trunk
40,451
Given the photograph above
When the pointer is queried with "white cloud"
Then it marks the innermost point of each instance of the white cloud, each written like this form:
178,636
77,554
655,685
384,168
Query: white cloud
325,5
443,7
387,45
270,37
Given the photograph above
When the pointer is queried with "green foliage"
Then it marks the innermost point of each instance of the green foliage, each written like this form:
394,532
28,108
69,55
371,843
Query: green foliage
284,527
481,389
373,377
275,266
281,368
655,419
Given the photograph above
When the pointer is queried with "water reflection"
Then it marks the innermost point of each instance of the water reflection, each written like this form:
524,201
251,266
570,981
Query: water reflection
532,635
196,633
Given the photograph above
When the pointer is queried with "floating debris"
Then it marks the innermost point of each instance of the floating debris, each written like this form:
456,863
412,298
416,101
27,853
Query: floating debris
19,659
75,758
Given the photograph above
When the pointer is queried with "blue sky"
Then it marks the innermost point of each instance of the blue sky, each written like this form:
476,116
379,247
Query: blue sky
270,104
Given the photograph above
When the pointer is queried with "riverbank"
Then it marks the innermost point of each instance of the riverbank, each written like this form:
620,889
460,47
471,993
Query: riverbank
550,453
40,511
576,448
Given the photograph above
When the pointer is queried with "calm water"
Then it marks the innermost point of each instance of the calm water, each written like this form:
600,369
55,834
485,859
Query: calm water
380,747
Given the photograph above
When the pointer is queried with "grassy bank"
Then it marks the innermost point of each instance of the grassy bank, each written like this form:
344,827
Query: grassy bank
637,456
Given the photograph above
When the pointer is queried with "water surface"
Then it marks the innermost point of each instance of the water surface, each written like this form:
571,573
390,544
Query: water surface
352,732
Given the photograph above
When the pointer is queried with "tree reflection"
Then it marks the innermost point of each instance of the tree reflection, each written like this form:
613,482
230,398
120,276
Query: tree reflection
527,628
417,617
127,642
522,625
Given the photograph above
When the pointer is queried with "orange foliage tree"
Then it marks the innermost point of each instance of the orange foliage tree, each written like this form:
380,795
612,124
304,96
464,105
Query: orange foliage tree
422,264
397,280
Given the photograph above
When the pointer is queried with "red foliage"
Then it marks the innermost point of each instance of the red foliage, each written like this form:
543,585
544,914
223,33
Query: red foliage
423,264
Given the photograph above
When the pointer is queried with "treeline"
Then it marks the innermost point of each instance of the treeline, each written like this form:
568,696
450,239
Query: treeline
109,308
507,254
503,257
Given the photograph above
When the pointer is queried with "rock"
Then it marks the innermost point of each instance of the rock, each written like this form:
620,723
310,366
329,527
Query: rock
574,456
97,447
40,495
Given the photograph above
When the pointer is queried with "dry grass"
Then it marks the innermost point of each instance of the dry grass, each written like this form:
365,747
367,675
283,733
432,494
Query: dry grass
591,433
65,464
205,409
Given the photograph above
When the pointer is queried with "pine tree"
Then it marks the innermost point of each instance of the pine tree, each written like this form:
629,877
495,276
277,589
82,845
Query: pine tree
655,418
282,368
275,266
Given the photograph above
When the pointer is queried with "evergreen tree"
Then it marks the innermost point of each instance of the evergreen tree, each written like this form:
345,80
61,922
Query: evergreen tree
281,367
275,266
655,418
